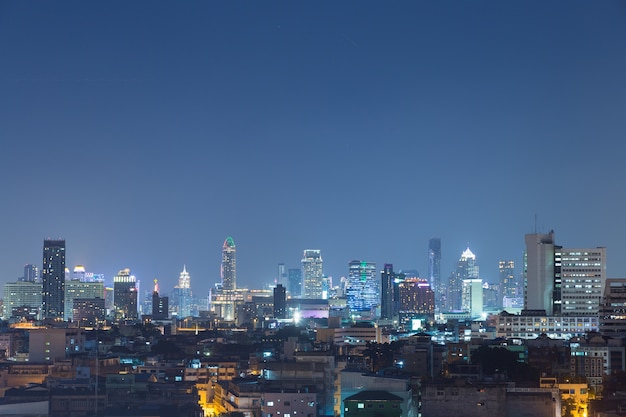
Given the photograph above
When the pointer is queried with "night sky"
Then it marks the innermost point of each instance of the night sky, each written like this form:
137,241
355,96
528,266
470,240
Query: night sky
146,132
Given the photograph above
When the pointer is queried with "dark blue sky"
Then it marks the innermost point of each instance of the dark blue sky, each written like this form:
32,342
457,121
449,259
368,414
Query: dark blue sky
145,132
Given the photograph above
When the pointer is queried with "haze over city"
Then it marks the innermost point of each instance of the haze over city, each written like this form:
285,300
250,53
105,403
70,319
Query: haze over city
145,133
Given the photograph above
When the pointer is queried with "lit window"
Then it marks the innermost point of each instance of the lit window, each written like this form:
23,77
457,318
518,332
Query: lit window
270,403
360,405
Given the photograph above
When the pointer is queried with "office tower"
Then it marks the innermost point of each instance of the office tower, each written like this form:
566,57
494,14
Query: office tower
613,308
387,277
229,265
280,302
416,300
125,295
540,275
312,273
160,305
294,284
182,293
31,273
466,268
472,297
80,289
21,294
363,291
434,270
53,279
281,278
583,278
508,283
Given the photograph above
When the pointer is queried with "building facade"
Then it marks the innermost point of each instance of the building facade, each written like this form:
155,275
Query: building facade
229,265
53,279
312,268
363,290
125,295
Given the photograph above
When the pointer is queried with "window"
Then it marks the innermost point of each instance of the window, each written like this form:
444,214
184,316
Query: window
360,405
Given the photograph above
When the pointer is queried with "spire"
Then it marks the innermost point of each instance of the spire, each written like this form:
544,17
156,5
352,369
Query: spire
156,285
184,269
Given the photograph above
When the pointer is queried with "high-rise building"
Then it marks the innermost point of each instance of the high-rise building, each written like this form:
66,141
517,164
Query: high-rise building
182,293
434,270
613,308
508,283
312,273
229,265
21,294
79,273
472,297
281,278
416,300
125,295
562,281
387,277
160,305
540,275
53,279
294,284
583,278
88,311
363,290
466,268
280,302
31,273
80,289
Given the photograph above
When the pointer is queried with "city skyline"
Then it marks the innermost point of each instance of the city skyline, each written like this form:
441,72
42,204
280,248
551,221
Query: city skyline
144,139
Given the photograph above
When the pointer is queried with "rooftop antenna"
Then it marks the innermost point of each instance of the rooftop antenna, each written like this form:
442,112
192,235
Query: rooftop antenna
535,223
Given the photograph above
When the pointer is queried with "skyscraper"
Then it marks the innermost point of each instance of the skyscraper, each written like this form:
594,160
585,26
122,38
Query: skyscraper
508,284
282,275
434,270
160,305
294,278
31,273
387,277
583,279
53,278
472,296
416,300
125,295
280,302
183,293
466,268
229,265
313,272
363,290
540,276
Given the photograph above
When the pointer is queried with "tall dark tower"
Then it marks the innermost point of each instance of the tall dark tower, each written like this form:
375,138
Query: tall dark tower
229,264
434,270
280,302
53,278
387,277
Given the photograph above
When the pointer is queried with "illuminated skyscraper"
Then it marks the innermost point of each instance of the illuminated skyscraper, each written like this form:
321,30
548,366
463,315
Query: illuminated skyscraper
434,270
125,295
53,279
182,293
507,278
312,273
363,290
583,278
416,300
466,268
229,265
